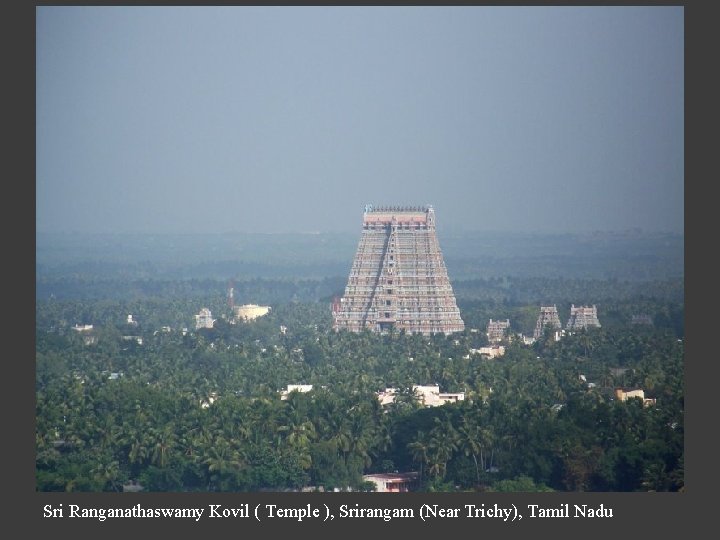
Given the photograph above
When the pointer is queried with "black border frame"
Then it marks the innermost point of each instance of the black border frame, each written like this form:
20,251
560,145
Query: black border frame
639,514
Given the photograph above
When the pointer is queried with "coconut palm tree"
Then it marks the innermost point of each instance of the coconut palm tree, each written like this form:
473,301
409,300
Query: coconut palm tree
163,447
419,449
471,441
222,462
441,446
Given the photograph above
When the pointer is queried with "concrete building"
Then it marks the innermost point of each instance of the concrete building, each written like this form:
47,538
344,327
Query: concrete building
429,396
393,482
204,319
86,330
249,312
211,398
295,388
387,396
623,394
82,327
133,487
398,278
491,352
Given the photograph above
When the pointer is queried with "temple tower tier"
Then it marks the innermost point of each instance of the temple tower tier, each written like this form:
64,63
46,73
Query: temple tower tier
583,317
548,318
398,278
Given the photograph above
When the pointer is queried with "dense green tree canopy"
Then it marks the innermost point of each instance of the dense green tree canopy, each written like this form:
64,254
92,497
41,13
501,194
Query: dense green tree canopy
201,410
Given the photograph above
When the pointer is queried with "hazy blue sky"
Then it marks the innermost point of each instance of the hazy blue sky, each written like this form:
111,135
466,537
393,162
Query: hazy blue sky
181,119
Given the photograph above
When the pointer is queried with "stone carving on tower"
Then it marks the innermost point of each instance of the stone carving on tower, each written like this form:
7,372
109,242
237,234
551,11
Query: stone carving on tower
548,317
398,278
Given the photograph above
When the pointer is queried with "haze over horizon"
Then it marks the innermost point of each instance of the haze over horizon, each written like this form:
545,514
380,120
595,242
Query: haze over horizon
291,119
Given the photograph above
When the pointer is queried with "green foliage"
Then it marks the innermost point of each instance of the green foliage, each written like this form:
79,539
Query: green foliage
202,411
523,484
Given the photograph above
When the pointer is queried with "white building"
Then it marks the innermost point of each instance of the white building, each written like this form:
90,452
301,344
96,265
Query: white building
492,352
204,319
248,312
393,482
429,396
82,327
211,398
295,388
387,396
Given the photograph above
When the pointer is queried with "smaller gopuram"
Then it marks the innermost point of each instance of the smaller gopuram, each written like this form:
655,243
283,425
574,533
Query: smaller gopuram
582,317
548,317
496,330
